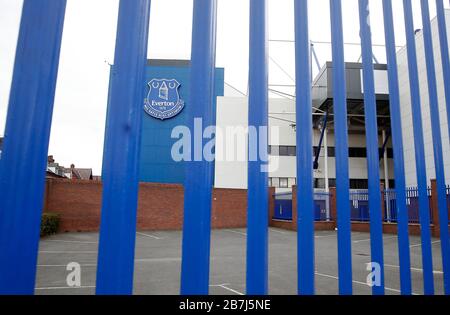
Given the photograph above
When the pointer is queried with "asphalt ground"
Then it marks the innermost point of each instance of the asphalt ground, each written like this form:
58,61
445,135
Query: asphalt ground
158,263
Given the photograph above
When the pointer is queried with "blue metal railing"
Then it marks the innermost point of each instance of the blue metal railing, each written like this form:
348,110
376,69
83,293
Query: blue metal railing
321,201
29,121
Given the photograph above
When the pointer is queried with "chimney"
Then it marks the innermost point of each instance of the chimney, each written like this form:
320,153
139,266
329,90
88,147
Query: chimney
50,159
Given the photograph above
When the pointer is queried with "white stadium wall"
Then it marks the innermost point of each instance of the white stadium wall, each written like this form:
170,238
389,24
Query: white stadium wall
405,104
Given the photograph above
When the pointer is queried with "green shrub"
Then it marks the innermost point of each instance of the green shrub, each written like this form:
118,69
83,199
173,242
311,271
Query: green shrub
49,224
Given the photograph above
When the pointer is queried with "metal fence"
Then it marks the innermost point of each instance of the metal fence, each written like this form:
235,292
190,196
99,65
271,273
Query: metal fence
412,203
283,207
29,120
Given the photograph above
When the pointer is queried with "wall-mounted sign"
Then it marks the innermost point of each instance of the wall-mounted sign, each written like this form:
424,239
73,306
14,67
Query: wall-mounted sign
163,100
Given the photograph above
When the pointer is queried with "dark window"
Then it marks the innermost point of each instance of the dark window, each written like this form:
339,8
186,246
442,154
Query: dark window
332,182
292,151
359,184
319,183
331,152
392,183
283,150
287,150
357,152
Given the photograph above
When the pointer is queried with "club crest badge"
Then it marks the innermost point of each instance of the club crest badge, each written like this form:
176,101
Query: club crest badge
163,100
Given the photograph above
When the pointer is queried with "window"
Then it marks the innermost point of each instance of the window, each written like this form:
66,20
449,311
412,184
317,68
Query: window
292,151
275,182
284,183
359,184
319,183
331,152
332,182
274,150
390,153
357,152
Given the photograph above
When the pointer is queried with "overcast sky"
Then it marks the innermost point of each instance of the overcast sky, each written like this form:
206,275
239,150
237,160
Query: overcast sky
88,47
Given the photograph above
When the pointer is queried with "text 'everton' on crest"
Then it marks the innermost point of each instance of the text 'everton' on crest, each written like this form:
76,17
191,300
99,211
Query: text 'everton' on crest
163,100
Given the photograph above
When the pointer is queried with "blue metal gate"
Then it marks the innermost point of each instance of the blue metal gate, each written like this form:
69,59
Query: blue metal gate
28,128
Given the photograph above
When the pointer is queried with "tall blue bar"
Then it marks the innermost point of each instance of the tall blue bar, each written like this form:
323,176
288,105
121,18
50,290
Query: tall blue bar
437,144
198,182
24,158
445,56
341,139
373,161
424,212
305,191
258,204
121,151
399,161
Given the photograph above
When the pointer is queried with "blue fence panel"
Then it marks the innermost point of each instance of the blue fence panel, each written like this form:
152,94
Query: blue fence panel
198,181
305,205
322,207
421,173
448,202
121,152
341,139
25,147
359,205
283,209
258,207
28,129
373,161
398,209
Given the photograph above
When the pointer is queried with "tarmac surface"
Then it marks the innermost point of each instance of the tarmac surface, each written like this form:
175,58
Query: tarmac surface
158,263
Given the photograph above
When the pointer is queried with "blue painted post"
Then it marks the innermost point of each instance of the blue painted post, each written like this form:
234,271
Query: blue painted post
258,207
341,134
437,144
198,182
121,151
373,161
445,56
305,191
424,212
24,158
397,140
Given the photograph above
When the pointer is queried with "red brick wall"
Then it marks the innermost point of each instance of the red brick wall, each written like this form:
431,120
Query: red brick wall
160,206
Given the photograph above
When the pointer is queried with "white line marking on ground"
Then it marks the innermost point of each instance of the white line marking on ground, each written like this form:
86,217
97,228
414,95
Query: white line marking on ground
357,282
368,239
61,288
225,286
149,235
324,236
277,231
75,242
64,266
236,232
420,244
168,259
414,269
66,252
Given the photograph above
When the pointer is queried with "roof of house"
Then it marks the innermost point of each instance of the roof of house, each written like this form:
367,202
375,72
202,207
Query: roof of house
82,173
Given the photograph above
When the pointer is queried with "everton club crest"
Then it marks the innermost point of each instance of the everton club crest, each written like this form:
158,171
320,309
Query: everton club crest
163,100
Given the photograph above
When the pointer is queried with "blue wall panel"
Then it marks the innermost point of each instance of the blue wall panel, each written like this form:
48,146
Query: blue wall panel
156,163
